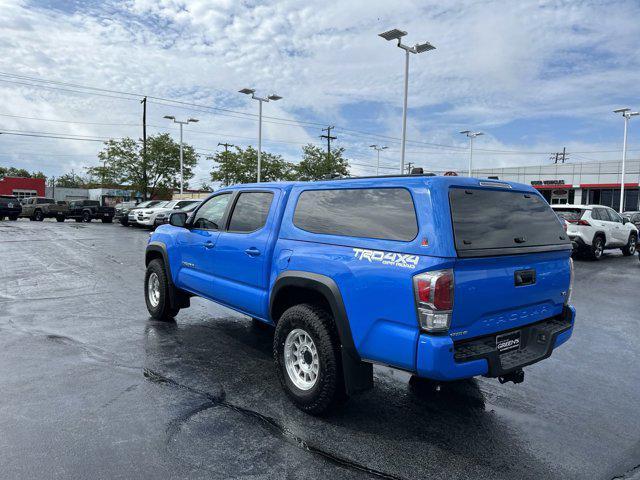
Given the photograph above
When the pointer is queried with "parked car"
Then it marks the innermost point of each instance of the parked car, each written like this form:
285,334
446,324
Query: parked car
147,216
596,228
133,213
444,277
122,212
9,207
87,210
163,217
633,217
39,208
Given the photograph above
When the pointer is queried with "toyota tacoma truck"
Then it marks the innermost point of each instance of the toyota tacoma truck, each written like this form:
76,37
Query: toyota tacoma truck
444,277
39,208
87,210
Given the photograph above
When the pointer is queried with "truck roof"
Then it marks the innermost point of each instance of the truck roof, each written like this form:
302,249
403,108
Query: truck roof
400,180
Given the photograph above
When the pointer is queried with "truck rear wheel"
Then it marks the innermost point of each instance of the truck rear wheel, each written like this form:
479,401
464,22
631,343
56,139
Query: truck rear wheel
59,219
156,292
38,216
86,217
307,356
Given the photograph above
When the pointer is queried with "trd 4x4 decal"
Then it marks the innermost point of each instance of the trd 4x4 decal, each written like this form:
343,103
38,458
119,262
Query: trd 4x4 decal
387,258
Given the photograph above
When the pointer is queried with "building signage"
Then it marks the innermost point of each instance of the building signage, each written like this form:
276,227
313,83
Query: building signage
547,182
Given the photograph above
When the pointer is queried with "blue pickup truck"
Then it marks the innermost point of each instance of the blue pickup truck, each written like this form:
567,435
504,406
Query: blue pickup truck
444,277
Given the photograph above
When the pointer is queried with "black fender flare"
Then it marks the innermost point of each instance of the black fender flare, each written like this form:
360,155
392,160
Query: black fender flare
176,298
358,375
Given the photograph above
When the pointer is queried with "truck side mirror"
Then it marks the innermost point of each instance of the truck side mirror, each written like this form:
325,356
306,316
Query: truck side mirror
178,219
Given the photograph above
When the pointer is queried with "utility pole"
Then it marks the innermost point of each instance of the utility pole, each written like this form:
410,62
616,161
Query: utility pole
226,146
226,150
329,138
409,167
144,148
559,156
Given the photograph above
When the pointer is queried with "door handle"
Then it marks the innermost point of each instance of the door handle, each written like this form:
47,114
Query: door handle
252,252
208,245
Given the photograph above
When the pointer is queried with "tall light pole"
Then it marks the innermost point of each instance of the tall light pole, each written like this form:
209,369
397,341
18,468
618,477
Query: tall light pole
378,148
471,136
274,97
626,114
181,123
396,34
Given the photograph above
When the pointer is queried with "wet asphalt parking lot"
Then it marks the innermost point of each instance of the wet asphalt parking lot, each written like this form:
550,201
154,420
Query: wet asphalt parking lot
90,387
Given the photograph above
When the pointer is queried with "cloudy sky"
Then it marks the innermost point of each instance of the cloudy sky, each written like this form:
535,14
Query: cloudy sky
534,76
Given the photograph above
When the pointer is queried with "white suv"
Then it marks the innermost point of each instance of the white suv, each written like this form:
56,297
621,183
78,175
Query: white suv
595,228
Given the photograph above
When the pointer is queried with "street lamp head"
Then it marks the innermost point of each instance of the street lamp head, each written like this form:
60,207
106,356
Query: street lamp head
477,134
169,117
384,147
465,132
274,97
633,114
373,146
423,47
393,34
621,110
247,91
193,120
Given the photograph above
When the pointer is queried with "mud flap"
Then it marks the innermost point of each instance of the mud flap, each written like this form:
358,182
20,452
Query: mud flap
358,375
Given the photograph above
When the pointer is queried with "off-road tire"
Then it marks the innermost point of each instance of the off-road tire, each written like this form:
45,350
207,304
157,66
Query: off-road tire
597,248
162,311
107,220
328,389
38,216
630,248
86,217
60,219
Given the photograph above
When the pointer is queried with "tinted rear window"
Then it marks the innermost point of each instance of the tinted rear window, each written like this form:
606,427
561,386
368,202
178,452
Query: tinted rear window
569,214
250,212
383,213
490,219
91,203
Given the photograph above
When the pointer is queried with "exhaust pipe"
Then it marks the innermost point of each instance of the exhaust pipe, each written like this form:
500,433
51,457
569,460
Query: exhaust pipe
515,377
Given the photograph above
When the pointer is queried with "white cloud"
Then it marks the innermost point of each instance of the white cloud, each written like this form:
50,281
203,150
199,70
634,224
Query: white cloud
495,63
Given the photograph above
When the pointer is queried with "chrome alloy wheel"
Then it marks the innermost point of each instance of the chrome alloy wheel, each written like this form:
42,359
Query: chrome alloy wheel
301,359
153,289
632,245
599,250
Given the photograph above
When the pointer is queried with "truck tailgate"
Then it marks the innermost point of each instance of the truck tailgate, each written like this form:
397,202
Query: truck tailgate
493,294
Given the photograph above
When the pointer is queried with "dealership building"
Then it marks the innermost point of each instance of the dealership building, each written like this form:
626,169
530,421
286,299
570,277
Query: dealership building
580,183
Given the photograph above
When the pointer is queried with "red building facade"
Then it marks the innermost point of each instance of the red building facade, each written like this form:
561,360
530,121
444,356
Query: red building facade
22,187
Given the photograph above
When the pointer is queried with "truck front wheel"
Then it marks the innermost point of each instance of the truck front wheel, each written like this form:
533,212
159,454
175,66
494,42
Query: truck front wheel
156,292
86,217
307,356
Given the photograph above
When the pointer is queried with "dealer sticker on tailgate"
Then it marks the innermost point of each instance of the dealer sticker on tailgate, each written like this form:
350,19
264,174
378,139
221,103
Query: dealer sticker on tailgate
508,341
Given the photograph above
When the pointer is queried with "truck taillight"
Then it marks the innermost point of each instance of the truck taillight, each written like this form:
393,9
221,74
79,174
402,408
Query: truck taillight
584,223
434,299
567,298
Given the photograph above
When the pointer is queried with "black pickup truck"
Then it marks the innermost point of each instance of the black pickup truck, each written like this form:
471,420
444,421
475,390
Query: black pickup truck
87,210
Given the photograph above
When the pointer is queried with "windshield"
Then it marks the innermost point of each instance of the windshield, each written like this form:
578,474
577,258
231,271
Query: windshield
491,219
191,207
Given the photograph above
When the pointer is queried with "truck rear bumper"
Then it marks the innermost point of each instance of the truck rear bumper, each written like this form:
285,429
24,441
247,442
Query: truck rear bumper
440,358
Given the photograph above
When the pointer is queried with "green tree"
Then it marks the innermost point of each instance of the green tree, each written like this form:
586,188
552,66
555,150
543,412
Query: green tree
70,180
122,163
20,172
317,165
241,166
